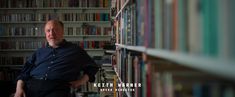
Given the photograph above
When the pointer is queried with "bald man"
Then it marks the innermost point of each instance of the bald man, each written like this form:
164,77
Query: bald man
51,70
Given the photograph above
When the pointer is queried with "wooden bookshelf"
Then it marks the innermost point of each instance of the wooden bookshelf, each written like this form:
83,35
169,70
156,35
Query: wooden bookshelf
169,43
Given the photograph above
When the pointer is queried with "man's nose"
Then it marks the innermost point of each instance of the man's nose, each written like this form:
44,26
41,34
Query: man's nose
51,32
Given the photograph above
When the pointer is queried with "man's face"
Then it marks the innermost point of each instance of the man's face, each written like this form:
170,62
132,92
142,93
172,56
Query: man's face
54,33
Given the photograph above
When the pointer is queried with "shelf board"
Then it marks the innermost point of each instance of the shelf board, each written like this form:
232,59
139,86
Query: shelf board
110,51
107,65
133,48
137,48
120,45
95,52
109,71
220,67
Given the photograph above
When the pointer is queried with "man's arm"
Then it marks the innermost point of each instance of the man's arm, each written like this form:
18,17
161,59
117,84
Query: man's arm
28,66
24,75
89,66
20,89
82,81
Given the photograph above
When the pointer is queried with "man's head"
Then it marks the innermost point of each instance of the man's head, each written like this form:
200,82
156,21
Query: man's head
54,31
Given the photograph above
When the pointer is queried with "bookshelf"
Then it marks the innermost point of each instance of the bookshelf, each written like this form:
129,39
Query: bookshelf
86,22
175,48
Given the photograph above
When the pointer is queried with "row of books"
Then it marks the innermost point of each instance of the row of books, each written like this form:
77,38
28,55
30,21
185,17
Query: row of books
160,78
127,33
201,29
21,45
88,30
85,17
39,31
179,25
21,31
169,81
8,74
90,44
53,3
18,17
165,86
12,60
24,45
131,69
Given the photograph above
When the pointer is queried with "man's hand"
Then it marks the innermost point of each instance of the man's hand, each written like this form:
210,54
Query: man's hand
19,89
20,93
78,83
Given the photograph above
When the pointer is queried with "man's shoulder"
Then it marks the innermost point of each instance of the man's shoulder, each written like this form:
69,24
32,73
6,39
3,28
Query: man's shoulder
41,49
74,46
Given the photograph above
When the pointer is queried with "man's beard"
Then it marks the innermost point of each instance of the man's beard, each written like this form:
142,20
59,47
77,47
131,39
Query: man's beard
54,43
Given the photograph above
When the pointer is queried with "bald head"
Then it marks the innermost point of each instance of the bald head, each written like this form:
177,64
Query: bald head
57,22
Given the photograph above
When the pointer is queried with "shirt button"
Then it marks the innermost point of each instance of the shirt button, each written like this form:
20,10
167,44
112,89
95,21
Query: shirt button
48,67
53,55
45,74
52,62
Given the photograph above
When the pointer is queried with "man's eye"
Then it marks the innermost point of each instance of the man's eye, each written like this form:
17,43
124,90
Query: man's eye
48,30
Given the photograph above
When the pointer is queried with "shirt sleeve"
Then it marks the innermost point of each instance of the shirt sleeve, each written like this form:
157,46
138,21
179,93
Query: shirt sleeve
89,66
28,65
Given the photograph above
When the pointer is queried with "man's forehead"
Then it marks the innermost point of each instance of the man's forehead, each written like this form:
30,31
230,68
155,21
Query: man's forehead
52,24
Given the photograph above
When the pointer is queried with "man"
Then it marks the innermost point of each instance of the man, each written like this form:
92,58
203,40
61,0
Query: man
53,69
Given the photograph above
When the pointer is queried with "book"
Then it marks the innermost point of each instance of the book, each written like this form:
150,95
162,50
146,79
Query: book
210,27
158,24
194,28
182,26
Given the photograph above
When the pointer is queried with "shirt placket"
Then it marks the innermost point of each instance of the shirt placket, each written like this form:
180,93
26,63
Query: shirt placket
52,61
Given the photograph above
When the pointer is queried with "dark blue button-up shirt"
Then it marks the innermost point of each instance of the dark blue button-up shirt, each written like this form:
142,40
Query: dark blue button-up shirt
64,63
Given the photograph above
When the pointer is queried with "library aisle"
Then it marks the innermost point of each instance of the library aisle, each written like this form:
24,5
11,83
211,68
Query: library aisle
144,48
